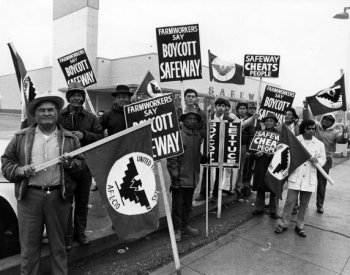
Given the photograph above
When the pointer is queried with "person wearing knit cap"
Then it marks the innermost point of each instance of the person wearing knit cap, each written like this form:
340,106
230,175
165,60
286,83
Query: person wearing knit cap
330,136
85,126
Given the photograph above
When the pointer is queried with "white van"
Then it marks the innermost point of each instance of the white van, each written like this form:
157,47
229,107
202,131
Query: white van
9,240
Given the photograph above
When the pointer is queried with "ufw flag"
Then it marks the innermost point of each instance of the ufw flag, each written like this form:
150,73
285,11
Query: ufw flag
289,155
224,72
329,100
25,86
123,169
149,87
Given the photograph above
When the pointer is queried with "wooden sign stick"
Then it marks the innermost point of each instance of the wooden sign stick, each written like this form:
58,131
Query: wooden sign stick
93,145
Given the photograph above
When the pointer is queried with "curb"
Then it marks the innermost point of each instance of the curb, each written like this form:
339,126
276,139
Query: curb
101,239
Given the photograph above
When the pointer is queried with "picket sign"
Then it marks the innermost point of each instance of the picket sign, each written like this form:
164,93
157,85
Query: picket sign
221,166
92,145
169,220
258,101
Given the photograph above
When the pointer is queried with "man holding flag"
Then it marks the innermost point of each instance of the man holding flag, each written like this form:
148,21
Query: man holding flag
329,135
303,180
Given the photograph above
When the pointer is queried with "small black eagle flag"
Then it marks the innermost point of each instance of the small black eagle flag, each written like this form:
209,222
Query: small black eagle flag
329,100
224,72
123,169
25,86
149,86
289,155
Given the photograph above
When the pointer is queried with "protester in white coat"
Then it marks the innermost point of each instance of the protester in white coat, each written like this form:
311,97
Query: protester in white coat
303,180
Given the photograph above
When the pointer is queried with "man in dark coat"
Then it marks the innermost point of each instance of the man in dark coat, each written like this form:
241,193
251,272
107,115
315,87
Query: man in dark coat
43,197
184,173
114,119
262,162
85,126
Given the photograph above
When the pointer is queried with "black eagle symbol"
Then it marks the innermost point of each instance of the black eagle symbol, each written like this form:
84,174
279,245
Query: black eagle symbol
155,88
131,186
332,94
222,69
283,165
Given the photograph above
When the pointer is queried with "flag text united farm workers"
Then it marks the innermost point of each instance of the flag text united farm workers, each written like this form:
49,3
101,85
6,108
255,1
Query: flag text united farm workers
179,53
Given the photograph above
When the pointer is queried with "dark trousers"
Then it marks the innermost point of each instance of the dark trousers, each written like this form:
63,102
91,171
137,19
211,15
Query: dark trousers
81,201
35,210
322,183
181,206
260,201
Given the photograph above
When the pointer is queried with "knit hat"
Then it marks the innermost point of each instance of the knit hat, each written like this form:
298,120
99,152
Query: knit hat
75,87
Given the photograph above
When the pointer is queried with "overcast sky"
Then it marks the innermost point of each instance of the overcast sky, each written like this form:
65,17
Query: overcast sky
313,46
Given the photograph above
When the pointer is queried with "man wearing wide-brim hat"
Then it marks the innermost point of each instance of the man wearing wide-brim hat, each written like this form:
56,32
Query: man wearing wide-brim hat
114,120
86,127
184,173
43,196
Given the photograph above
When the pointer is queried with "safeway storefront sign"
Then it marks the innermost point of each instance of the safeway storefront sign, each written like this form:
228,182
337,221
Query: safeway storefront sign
261,65
179,53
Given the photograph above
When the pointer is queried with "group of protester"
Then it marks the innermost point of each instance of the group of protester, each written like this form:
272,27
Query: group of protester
46,197
319,139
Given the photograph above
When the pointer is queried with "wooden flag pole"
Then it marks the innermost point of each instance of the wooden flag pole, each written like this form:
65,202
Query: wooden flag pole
93,145
258,101
183,105
221,165
327,177
346,106
169,220
207,176
92,109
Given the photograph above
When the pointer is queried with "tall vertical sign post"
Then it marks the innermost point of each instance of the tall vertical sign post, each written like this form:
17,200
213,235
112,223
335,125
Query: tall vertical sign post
76,67
166,142
261,66
224,149
179,54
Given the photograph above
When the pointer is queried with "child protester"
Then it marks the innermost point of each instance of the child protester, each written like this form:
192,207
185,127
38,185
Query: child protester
184,173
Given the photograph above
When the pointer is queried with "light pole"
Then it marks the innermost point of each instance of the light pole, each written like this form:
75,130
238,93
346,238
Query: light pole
344,15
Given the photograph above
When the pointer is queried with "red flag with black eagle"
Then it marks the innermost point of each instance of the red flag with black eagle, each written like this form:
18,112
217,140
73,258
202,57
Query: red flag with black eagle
25,86
123,169
328,100
224,72
289,155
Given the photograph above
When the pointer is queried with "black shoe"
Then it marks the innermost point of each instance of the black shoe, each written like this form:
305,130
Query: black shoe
274,216
320,210
68,243
82,239
257,212
300,232
190,231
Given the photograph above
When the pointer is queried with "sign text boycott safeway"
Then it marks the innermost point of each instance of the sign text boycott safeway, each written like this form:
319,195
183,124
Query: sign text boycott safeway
166,136
179,53
76,67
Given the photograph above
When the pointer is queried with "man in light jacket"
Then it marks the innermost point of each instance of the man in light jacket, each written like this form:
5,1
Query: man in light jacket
303,180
